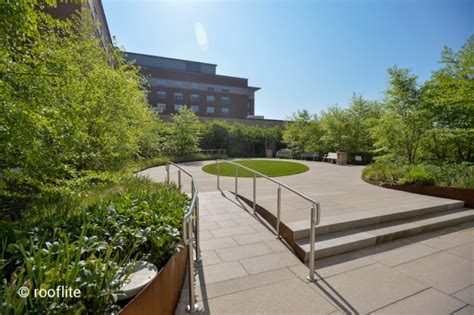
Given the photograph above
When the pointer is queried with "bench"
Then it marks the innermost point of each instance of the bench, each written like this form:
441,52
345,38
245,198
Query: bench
285,153
312,155
331,156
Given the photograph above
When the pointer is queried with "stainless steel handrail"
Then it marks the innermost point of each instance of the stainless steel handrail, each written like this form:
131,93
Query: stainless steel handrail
315,206
190,231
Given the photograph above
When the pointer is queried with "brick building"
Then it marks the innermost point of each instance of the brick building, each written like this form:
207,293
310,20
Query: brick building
65,10
174,83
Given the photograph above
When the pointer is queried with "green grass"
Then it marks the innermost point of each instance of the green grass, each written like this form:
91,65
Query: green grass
266,167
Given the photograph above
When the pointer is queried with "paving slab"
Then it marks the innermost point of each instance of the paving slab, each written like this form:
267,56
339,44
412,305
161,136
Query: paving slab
466,295
464,251
247,282
269,262
245,251
422,303
467,310
223,271
399,255
286,297
443,271
369,288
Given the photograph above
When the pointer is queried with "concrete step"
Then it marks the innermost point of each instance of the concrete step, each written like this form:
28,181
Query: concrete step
353,239
338,223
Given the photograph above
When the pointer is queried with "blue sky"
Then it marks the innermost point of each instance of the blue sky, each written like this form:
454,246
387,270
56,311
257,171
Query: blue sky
303,54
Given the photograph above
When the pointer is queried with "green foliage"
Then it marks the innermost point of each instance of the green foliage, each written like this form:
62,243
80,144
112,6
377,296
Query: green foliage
239,140
303,133
184,133
449,98
401,128
458,175
89,244
433,121
67,104
337,129
266,167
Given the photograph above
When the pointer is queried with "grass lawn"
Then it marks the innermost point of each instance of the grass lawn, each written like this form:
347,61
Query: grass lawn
266,167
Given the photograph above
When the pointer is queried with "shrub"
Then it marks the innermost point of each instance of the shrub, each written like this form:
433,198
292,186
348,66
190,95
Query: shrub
88,244
459,175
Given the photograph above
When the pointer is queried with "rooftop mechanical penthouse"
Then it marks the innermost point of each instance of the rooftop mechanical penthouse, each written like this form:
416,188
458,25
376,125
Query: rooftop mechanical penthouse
174,83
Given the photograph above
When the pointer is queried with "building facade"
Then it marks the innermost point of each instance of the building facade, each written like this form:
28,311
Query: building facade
65,10
174,83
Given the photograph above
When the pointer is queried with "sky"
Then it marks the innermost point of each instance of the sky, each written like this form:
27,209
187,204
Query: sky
302,54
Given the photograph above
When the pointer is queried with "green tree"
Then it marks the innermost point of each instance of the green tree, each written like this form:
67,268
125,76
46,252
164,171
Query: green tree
349,129
401,128
303,132
449,97
67,104
184,132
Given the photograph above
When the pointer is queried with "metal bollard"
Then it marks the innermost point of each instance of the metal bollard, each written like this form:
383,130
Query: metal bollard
167,173
179,179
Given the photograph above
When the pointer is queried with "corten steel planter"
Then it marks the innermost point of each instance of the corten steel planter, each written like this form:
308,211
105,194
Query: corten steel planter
161,295
465,194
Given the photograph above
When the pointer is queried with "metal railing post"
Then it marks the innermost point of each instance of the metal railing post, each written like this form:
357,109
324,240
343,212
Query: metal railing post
218,175
312,237
236,181
192,307
196,233
278,211
254,193
167,174
179,179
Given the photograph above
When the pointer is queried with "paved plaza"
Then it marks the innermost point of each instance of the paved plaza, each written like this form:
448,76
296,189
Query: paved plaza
339,189
246,270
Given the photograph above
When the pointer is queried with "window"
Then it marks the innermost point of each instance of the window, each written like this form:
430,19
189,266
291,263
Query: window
210,109
210,88
160,107
194,86
195,108
225,90
177,107
178,96
225,111
178,84
210,99
161,82
195,97
225,100
161,94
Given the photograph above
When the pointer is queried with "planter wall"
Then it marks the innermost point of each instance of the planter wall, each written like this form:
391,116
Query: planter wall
161,295
465,194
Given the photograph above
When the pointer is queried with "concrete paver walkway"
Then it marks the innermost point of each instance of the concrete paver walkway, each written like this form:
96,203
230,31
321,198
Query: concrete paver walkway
245,270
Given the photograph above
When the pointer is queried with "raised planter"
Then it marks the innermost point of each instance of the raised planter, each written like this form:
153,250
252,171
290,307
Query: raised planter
161,295
465,194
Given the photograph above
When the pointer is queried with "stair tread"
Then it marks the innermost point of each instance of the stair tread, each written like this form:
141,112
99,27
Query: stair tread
368,217
373,231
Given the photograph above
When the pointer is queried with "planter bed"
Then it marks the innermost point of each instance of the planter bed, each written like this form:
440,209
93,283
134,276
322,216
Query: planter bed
161,295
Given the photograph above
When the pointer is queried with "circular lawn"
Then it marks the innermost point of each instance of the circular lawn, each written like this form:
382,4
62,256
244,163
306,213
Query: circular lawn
267,167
